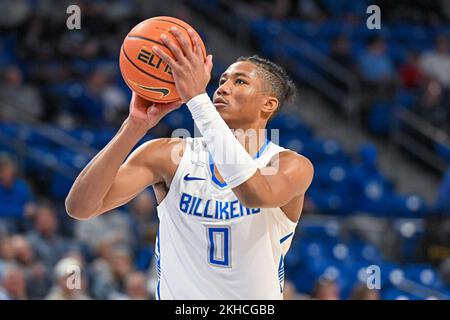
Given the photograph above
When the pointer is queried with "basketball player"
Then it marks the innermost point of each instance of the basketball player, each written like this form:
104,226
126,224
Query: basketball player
225,227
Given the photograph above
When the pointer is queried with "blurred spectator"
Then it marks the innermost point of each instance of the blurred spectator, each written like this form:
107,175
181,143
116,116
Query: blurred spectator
375,65
281,9
23,102
436,66
340,52
35,274
361,292
251,8
47,243
310,10
145,225
7,254
115,11
102,255
13,13
109,280
70,283
378,77
90,102
13,283
444,269
136,286
434,105
113,226
291,293
436,63
144,215
434,246
411,74
325,289
15,195
101,100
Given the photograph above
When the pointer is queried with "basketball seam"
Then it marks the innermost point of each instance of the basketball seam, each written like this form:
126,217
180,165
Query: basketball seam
148,39
143,71
159,19
169,21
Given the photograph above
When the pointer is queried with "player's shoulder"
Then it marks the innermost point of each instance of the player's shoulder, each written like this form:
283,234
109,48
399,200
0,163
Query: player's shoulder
165,143
173,146
163,149
295,161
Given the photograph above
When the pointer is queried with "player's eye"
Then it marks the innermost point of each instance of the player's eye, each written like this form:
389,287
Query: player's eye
239,81
221,82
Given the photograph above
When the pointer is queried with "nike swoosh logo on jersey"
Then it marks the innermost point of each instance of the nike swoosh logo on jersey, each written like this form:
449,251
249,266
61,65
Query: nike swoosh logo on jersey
188,178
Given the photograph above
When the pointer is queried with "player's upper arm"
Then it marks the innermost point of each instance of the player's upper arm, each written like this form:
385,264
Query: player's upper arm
149,164
288,176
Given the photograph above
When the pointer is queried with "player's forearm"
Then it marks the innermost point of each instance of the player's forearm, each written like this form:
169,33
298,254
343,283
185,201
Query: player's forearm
93,183
260,192
275,190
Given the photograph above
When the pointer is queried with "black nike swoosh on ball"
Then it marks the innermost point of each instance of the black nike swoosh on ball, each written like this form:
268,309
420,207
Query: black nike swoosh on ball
163,91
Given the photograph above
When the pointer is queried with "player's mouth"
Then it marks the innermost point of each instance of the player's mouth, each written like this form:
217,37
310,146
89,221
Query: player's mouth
220,103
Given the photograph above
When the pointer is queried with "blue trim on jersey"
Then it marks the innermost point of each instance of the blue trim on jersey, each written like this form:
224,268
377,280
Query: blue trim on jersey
262,149
158,293
281,264
213,175
158,266
281,273
286,237
224,184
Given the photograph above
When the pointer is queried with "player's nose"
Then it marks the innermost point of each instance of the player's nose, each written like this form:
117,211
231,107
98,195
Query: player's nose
224,89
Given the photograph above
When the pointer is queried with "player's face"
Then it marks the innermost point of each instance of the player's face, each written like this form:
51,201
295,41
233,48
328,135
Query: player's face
240,95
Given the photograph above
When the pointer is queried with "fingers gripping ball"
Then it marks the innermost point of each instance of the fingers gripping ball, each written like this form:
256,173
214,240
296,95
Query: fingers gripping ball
143,71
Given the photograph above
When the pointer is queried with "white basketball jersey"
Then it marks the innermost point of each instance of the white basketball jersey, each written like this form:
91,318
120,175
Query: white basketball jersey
209,246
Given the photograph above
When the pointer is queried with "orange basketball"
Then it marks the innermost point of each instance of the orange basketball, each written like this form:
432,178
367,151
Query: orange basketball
143,71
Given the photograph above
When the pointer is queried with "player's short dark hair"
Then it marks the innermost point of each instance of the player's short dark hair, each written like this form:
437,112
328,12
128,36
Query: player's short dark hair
278,81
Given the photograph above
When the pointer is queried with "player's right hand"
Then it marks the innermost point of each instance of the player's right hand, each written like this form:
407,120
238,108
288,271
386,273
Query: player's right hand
146,114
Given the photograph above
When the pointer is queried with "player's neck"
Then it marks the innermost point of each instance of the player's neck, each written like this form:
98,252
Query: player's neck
252,139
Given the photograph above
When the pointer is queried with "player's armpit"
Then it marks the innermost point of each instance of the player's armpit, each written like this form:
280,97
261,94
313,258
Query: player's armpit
152,162
292,176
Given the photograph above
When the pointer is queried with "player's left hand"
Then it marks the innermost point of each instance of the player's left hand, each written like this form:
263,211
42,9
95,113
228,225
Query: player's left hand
190,71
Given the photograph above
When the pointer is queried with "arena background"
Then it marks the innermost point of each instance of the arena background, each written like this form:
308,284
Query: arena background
372,114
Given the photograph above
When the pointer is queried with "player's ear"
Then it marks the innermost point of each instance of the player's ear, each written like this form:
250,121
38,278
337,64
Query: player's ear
269,106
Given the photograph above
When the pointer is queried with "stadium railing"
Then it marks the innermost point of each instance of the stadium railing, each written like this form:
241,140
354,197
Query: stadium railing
421,138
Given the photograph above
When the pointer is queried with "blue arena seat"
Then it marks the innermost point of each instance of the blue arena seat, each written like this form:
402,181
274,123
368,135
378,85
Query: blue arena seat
395,294
443,150
406,99
380,119
425,275
411,206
